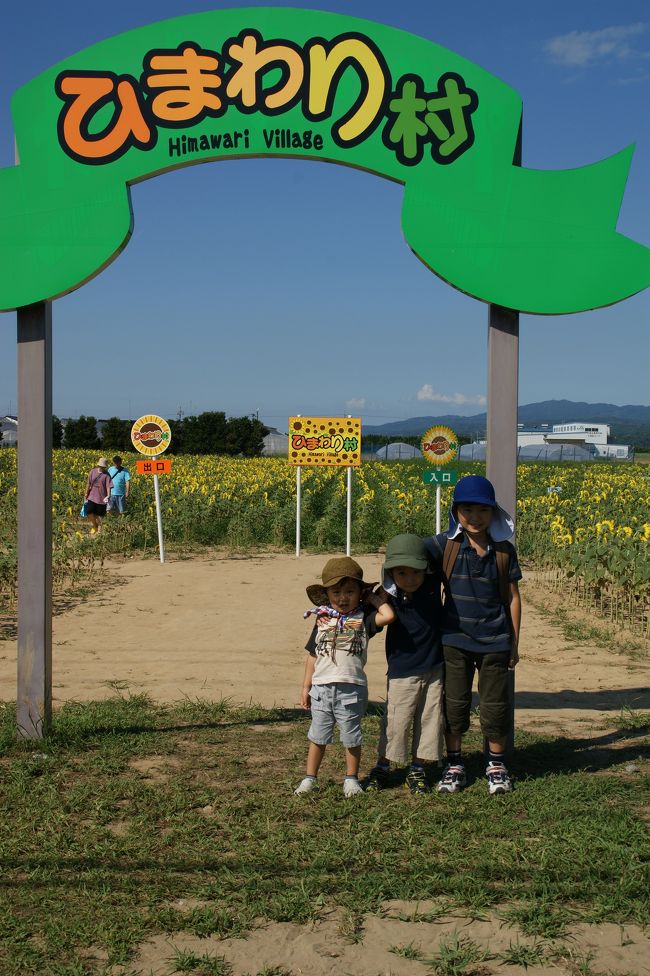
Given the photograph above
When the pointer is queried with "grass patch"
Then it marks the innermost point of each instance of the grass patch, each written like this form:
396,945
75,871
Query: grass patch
459,956
130,811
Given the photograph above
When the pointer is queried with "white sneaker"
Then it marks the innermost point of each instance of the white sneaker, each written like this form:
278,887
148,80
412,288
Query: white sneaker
498,778
307,785
352,786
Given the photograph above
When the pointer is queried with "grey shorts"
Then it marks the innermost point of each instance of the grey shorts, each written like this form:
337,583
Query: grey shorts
117,503
339,704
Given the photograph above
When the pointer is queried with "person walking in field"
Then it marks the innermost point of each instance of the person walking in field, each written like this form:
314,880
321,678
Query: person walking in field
121,480
335,686
412,723
480,625
98,490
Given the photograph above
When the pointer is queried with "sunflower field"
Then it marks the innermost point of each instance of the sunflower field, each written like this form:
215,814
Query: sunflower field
588,524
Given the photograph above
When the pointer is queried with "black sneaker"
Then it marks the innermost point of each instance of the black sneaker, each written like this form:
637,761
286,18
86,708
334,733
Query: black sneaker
377,779
416,781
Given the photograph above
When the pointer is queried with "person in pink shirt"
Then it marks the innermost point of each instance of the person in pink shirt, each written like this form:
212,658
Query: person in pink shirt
98,491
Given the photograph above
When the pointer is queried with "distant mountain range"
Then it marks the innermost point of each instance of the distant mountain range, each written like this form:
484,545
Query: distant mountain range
629,424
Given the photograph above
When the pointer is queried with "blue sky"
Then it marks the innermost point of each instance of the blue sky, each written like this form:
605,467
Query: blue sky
298,293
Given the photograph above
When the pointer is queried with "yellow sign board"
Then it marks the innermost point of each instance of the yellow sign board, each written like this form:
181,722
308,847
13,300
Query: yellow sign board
325,440
151,435
439,445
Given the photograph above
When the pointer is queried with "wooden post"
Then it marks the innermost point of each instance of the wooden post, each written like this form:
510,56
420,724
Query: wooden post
503,389
34,693
502,417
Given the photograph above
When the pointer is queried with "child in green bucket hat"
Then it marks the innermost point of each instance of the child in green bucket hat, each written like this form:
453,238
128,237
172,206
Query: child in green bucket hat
412,724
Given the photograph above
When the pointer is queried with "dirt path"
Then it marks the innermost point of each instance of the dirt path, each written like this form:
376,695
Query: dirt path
217,626
214,627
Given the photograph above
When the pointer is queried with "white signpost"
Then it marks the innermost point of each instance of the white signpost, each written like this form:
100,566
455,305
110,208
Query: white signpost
439,445
151,435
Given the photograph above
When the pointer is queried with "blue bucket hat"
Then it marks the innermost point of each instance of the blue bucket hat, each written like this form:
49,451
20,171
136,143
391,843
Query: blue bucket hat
476,490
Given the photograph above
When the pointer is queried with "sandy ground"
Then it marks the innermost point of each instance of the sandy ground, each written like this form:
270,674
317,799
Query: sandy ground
224,627
218,626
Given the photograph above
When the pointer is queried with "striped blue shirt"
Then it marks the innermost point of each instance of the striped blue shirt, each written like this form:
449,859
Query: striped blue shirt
474,618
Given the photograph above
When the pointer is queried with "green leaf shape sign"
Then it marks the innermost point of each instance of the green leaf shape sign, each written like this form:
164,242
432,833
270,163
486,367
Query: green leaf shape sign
288,82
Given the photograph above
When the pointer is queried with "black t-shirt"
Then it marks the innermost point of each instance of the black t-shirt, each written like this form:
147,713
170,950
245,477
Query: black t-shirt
413,644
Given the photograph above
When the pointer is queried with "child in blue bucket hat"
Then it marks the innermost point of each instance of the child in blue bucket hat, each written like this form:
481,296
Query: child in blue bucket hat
480,625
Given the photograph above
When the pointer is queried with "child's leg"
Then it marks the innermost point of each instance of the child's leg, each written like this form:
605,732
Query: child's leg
352,760
320,735
403,697
459,677
350,706
315,758
495,717
428,719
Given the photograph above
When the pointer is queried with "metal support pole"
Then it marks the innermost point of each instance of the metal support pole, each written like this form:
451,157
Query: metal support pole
161,541
34,690
348,513
298,507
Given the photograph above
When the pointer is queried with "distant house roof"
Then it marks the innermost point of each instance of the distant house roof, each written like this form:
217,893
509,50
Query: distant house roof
275,443
9,429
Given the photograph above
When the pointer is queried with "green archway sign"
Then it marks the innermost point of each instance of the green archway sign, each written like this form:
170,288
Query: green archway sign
287,82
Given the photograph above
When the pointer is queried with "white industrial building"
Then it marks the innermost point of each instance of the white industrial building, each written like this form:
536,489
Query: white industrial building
568,442
590,436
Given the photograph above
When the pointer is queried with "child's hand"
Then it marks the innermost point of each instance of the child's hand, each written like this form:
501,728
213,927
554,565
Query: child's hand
375,598
514,658
305,698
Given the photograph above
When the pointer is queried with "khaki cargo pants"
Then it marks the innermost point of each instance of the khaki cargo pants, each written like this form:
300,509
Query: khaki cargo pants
412,723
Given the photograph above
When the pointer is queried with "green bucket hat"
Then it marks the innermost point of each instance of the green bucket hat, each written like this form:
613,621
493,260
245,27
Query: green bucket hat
406,550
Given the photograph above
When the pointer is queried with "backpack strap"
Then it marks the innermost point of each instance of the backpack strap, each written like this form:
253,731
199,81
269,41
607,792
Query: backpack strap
502,554
449,557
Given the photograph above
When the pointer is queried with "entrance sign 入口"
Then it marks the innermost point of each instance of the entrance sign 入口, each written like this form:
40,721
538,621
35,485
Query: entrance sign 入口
286,82
289,82
151,435
438,476
333,441
439,445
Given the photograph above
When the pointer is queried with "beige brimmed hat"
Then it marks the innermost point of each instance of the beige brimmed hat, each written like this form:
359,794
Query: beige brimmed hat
103,463
336,569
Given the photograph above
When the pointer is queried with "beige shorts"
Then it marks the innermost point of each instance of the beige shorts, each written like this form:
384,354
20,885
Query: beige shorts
412,724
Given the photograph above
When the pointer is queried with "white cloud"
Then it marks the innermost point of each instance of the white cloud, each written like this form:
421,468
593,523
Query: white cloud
583,47
459,399
357,404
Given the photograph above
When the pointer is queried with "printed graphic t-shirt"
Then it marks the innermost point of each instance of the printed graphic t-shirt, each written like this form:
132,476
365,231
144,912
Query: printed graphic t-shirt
341,647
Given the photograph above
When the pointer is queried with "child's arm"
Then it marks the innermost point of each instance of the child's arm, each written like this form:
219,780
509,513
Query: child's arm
310,664
379,600
515,615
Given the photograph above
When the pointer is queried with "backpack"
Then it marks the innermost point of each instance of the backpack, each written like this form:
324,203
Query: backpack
450,555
